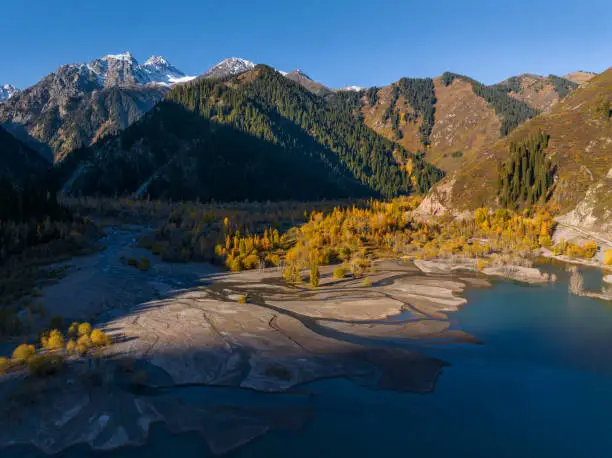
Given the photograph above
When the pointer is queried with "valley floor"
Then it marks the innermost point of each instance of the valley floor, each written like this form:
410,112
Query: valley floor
185,325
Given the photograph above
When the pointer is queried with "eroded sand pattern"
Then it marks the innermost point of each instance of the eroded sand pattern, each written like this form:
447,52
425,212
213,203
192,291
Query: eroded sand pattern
198,335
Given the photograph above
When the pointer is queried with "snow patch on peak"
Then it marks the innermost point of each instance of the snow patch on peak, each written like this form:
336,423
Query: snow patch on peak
125,57
7,91
181,80
158,61
352,88
123,69
230,67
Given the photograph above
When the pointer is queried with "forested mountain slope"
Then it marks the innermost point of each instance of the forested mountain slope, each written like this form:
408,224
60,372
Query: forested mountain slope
256,136
577,148
449,118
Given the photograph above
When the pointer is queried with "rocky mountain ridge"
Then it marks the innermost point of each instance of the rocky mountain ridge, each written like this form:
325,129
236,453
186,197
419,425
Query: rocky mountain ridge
80,103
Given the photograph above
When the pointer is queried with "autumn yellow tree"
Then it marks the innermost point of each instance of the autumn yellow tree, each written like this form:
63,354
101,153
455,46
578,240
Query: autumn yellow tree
53,341
23,353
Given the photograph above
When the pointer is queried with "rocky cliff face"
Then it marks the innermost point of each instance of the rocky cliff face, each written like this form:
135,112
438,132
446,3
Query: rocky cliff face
228,68
594,212
77,104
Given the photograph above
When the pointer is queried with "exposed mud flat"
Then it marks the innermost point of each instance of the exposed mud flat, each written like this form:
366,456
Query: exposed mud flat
78,408
191,331
517,273
279,340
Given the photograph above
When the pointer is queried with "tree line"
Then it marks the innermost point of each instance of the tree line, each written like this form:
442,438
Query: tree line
528,175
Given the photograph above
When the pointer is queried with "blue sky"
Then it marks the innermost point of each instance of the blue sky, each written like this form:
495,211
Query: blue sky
337,42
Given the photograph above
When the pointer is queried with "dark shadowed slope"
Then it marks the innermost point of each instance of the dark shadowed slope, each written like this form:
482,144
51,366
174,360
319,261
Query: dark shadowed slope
256,136
16,159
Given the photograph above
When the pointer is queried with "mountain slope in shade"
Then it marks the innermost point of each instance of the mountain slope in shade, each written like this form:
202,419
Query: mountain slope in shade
7,91
18,161
79,103
303,79
580,148
228,68
579,77
256,136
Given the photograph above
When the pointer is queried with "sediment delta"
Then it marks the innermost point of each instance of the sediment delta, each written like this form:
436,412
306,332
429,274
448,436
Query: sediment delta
198,335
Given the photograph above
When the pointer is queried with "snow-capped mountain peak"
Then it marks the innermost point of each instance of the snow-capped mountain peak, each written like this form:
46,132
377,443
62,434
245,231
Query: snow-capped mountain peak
124,70
124,57
158,61
7,91
229,67
157,70
352,88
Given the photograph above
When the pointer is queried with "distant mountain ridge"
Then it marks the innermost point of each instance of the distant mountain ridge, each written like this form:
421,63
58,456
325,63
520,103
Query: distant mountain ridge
303,79
81,103
229,67
580,77
448,121
124,70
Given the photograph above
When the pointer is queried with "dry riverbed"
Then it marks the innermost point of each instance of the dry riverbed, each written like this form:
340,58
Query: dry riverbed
182,327
517,273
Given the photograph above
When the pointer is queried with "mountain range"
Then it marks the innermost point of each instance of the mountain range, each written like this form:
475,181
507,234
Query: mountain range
257,135
241,130
578,151
80,103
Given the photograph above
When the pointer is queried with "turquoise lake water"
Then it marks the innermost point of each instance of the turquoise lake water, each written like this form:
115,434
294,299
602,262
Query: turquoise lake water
540,385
